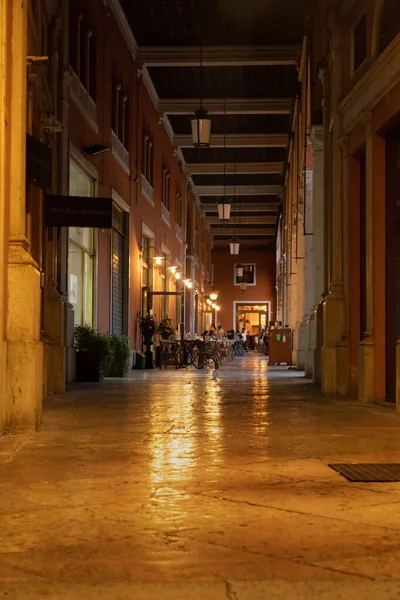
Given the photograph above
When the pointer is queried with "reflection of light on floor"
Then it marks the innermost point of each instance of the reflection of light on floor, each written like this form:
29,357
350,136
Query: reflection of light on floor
260,395
174,452
213,425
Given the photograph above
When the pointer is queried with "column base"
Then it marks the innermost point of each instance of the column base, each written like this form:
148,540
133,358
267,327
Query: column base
3,386
343,368
366,353
328,370
310,347
300,357
56,318
398,376
335,372
24,384
319,336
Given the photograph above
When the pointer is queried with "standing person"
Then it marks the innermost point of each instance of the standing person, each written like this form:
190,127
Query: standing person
220,331
244,339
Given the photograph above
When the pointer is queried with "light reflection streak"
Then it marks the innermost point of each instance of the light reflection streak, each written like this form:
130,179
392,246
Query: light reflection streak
212,414
173,451
260,394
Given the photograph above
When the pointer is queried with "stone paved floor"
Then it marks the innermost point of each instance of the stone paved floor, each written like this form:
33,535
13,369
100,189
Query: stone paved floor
186,485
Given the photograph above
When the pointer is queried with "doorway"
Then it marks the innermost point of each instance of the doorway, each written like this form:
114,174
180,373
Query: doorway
253,316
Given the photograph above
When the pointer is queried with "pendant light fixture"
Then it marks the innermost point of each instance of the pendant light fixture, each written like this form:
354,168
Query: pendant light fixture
201,122
234,245
224,205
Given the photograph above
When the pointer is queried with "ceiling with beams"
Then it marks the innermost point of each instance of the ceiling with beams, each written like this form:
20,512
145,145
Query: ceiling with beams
251,54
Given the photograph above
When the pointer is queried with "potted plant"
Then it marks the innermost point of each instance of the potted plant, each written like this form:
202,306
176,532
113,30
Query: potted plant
121,356
164,328
94,355
148,327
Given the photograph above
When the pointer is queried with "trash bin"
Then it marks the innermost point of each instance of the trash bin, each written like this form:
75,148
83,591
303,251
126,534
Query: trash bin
139,361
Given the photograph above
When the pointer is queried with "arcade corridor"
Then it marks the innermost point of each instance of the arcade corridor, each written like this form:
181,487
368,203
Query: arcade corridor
199,485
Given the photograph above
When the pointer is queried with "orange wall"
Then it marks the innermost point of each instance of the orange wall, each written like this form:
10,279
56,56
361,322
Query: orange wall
265,261
115,60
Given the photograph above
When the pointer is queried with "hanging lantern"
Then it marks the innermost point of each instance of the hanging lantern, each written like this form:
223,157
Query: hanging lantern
239,271
213,295
234,246
201,129
224,210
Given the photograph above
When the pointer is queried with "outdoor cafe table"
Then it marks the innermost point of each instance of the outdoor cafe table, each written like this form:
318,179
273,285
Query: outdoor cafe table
194,352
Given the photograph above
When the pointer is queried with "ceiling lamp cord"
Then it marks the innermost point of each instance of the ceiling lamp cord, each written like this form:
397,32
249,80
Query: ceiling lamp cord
224,146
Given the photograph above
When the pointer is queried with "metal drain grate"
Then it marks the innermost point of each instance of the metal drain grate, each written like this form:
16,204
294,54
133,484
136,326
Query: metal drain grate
369,472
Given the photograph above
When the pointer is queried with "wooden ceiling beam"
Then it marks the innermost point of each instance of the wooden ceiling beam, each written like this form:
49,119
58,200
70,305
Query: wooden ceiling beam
270,168
220,56
236,140
240,190
255,206
231,106
260,232
255,219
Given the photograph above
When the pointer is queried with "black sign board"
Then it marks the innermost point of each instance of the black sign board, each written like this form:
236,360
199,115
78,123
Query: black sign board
38,162
78,211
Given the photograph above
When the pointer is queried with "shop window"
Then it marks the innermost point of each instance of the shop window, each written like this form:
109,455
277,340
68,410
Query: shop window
81,254
120,110
247,274
359,43
147,158
165,192
83,50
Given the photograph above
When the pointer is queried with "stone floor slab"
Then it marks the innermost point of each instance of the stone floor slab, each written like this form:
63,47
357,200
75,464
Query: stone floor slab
172,484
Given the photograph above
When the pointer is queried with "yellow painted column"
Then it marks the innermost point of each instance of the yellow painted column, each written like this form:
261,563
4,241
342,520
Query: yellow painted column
3,233
24,391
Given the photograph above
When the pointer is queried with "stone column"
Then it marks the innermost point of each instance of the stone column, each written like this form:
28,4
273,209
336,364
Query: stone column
318,216
343,347
308,273
366,348
4,52
24,348
333,380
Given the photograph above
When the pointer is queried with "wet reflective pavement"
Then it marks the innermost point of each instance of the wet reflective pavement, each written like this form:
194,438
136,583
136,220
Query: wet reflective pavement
188,485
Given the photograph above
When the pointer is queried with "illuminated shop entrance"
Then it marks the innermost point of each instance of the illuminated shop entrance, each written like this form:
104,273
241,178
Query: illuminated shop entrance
252,316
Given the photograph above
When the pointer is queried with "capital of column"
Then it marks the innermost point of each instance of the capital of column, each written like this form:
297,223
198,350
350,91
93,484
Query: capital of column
317,138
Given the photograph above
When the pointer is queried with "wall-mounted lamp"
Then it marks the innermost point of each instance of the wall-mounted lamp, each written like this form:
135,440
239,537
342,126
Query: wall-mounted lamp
158,260
173,269
213,294
95,150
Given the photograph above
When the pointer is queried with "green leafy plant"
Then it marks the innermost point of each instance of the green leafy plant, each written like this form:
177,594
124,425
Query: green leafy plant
121,355
87,339
165,328
148,326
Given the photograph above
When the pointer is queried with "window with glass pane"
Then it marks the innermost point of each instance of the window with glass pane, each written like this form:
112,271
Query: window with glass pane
81,254
249,274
